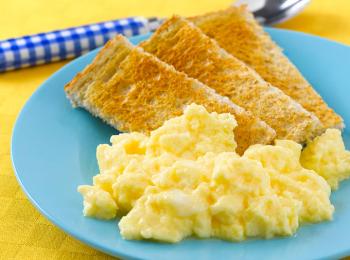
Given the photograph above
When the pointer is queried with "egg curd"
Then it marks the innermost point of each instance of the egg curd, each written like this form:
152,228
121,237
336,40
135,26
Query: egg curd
185,179
327,156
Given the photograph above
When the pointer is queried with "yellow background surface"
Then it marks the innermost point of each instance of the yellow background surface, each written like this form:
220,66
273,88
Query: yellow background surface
24,233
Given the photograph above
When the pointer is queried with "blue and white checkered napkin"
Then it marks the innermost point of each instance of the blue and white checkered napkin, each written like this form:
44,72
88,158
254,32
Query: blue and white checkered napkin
68,43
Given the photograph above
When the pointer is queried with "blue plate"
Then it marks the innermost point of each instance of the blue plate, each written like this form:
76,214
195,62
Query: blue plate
53,151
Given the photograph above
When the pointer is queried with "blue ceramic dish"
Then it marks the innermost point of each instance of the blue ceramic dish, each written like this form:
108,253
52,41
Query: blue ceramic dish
53,151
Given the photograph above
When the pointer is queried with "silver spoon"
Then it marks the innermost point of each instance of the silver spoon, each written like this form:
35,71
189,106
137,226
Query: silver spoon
269,12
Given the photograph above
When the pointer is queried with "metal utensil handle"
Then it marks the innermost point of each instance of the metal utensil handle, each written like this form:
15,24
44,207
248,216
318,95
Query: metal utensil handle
68,43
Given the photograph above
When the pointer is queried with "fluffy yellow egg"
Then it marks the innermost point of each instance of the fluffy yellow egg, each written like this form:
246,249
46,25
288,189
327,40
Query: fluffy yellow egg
98,203
327,156
185,179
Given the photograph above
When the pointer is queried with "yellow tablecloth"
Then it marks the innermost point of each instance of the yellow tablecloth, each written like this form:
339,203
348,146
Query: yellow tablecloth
24,233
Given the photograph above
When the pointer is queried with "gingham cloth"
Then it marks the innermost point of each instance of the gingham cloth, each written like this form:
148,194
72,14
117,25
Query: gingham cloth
58,45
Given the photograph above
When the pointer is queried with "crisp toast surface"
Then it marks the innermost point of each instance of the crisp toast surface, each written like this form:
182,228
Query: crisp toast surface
236,30
143,92
103,67
183,45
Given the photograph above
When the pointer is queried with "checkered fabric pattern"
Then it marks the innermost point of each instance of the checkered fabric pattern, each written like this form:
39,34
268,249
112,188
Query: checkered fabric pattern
58,45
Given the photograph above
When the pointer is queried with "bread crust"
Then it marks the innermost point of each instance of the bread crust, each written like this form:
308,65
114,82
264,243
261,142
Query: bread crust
236,30
143,92
180,43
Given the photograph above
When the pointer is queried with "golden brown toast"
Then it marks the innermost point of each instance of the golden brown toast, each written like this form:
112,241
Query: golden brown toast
183,45
236,30
134,91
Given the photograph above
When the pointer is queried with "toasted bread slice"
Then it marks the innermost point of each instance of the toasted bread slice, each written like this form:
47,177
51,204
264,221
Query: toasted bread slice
134,91
183,45
236,30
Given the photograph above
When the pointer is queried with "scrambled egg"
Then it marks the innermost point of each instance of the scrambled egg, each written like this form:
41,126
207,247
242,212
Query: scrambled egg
327,156
186,179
